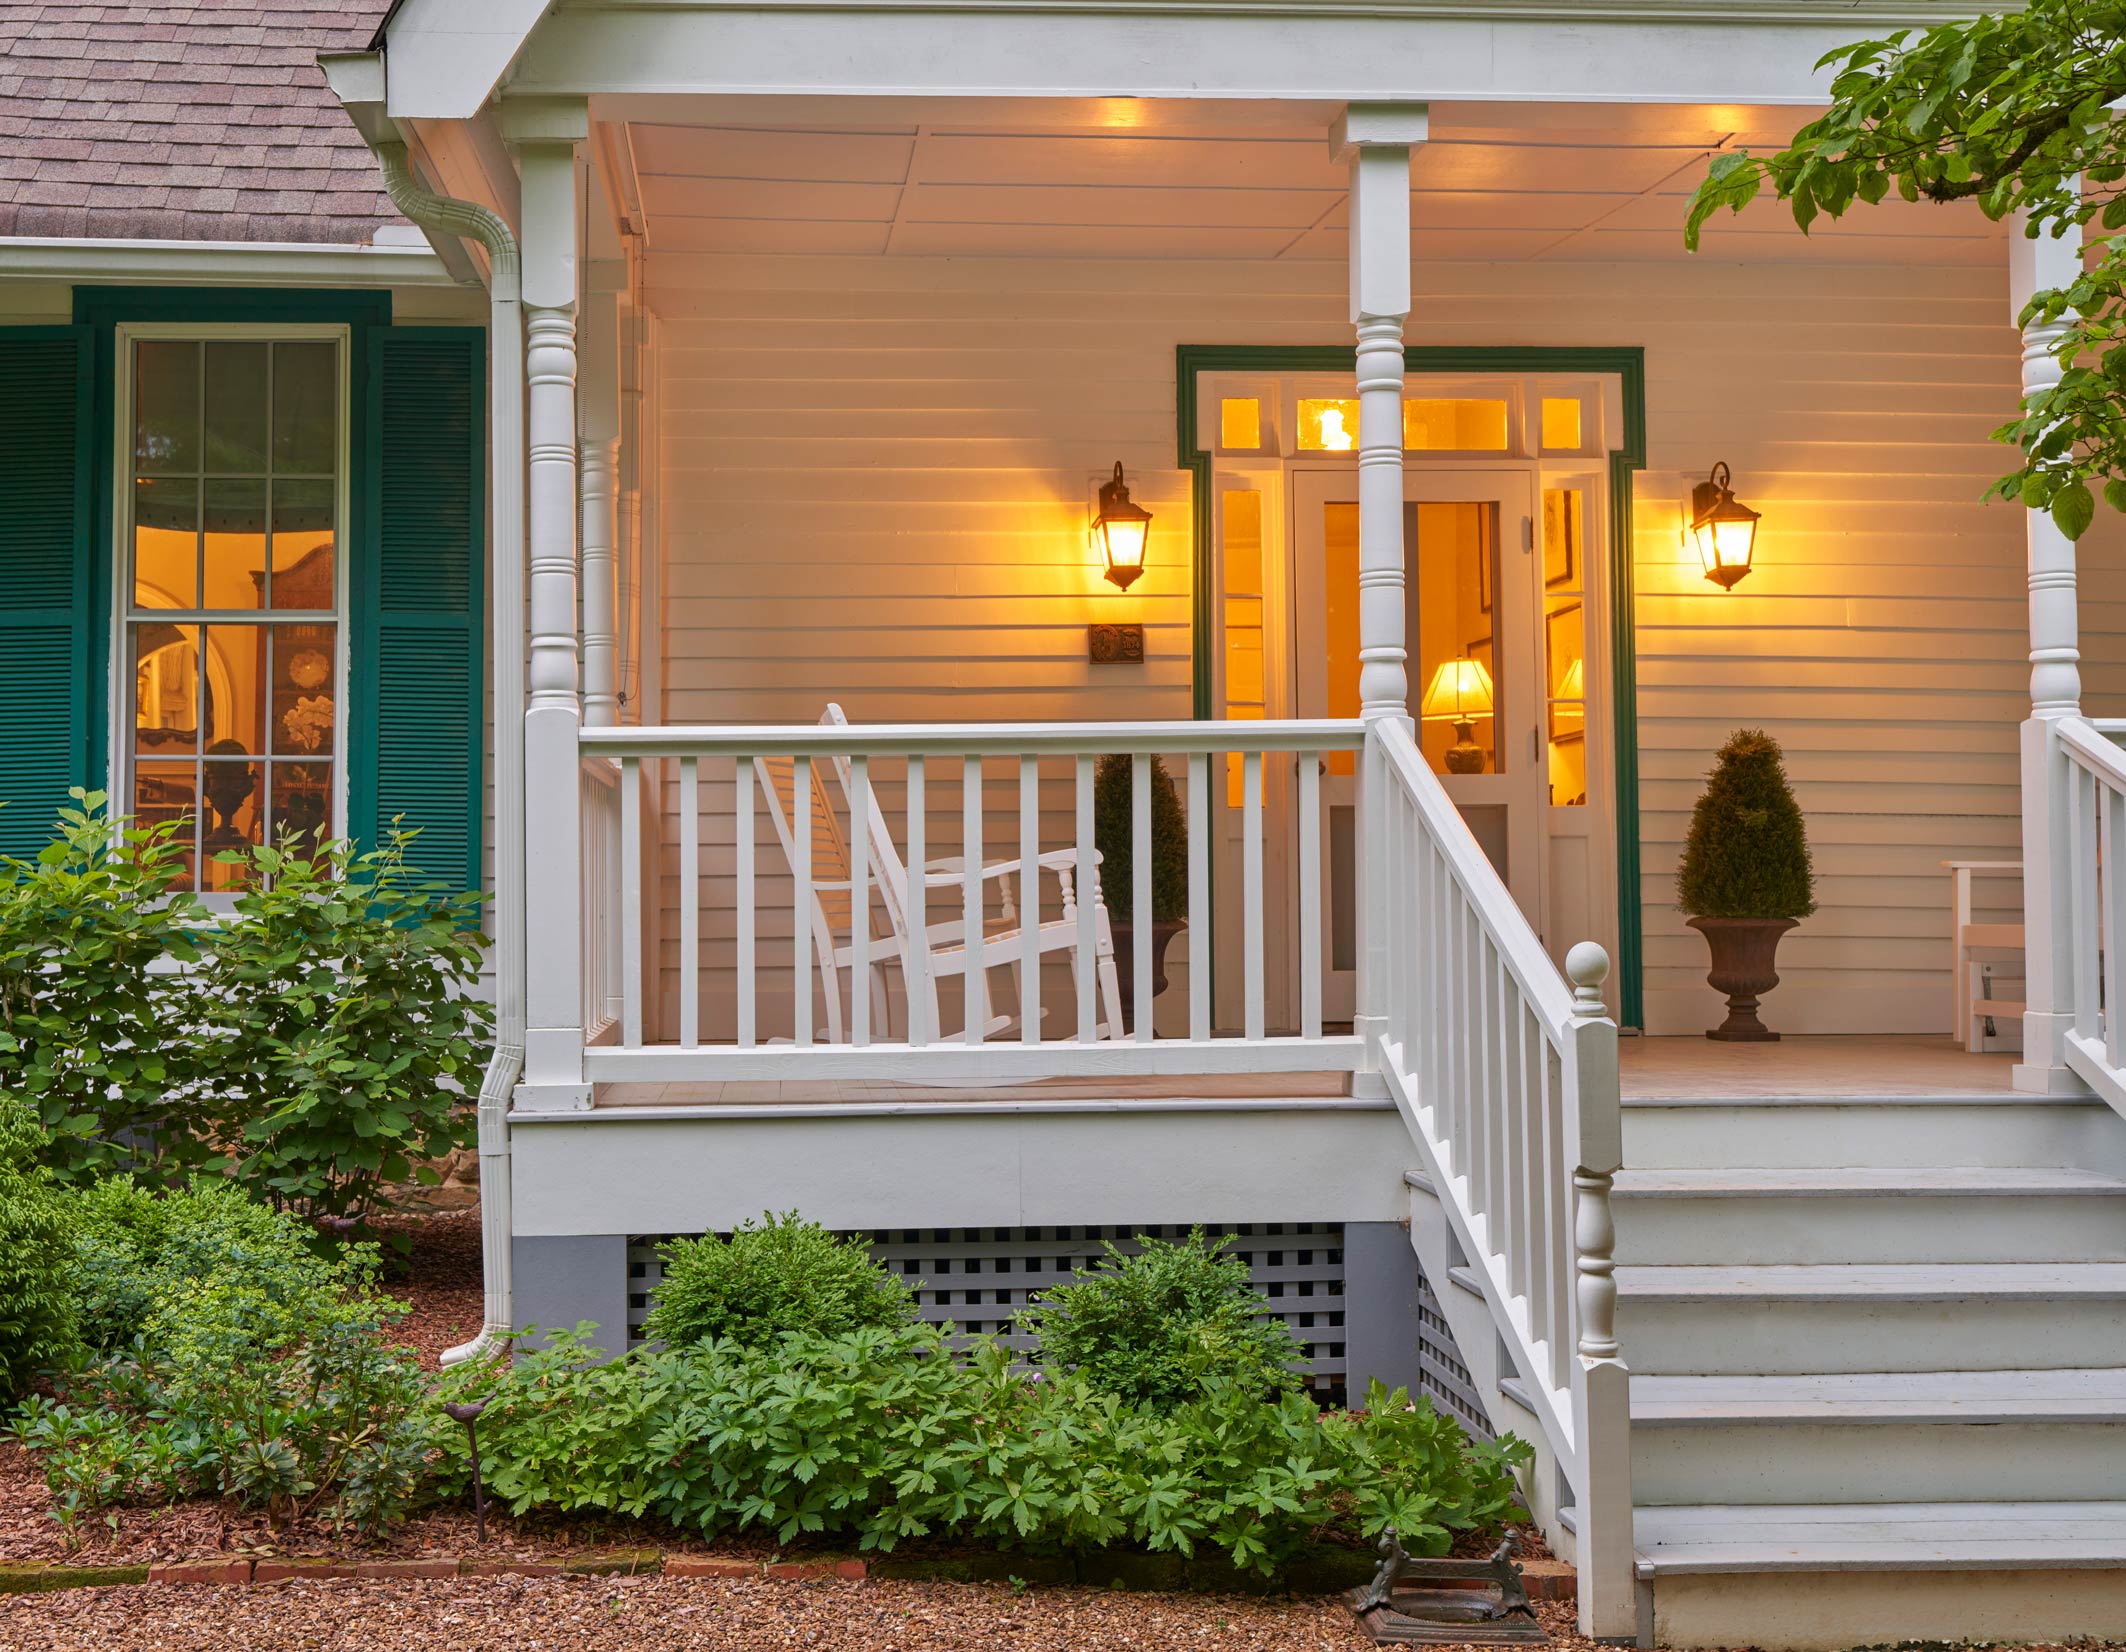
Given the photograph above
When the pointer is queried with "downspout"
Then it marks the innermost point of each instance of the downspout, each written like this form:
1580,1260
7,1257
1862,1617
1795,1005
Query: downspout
505,357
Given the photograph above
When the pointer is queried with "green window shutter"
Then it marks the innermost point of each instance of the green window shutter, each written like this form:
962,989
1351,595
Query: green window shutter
418,616
45,420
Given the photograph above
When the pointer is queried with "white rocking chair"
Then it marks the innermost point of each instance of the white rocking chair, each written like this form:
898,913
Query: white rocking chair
944,944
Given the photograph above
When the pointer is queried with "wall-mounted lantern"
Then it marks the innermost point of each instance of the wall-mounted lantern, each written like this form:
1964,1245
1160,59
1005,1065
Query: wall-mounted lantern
1725,529
1121,528
1460,693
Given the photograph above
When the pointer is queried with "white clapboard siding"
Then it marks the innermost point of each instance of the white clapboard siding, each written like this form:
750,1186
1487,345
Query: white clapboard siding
875,475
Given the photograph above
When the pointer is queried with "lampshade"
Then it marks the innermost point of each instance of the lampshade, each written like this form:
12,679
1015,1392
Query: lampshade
1460,690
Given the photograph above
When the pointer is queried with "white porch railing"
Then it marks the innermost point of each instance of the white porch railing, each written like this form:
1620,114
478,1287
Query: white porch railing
2095,907
600,793
1508,1079
841,881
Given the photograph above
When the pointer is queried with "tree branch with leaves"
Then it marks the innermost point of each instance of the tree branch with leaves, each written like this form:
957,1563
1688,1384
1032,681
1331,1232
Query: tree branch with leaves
2013,112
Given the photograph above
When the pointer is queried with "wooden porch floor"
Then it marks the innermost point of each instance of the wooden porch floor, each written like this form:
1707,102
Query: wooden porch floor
1669,1069
1654,1069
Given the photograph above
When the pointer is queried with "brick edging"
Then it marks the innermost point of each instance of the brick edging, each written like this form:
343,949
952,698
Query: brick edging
1545,1579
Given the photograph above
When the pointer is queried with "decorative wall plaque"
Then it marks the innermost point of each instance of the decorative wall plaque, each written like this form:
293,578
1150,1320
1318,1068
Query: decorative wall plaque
1114,644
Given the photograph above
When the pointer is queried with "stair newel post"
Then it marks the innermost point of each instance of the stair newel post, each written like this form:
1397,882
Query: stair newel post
1375,141
2055,692
545,133
1601,1382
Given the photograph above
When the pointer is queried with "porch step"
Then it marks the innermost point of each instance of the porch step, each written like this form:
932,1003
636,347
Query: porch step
1879,1537
1889,1436
1786,1319
1892,1214
2000,1129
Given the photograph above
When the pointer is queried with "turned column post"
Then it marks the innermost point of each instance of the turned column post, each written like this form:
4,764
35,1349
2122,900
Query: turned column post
2055,692
545,134
1374,141
598,425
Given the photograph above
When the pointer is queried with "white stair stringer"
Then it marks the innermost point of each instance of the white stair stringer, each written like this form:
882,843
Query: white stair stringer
1878,1356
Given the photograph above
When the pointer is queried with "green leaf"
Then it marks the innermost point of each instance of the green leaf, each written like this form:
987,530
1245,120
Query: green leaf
2073,509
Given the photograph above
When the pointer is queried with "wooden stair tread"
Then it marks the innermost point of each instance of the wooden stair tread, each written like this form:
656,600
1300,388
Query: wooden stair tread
1887,1181
1883,1281
2062,1396
1862,1537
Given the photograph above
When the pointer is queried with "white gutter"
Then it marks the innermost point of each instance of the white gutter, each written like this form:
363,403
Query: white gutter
505,354
275,263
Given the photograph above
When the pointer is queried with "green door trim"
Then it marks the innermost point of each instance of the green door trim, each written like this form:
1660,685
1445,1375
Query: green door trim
1627,363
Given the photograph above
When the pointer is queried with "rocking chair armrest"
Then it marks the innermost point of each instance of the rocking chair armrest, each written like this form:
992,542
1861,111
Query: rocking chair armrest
947,873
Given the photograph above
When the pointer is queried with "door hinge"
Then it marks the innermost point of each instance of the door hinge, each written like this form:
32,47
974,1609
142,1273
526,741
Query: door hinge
1528,533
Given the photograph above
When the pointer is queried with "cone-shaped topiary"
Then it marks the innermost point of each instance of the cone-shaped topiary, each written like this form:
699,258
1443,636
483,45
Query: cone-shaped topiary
1114,835
1748,853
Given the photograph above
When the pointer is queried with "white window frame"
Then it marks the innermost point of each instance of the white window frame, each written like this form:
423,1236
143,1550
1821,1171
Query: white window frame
119,712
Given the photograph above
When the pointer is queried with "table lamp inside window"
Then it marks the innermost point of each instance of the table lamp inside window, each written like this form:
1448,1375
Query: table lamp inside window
1459,694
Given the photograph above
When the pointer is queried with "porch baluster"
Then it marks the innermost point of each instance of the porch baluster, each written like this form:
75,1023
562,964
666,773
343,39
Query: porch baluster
629,978
1310,913
742,828
1199,895
1029,900
1140,891
1251,888
859,900
1088,885
801,899
976,977
690,901
922,1025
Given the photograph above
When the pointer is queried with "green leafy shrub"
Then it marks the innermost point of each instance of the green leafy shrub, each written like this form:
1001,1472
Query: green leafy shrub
296,1405
37,1327
778,1275
1161,1326
1747,855
1114,836
112,1051
882,1436
135,1250
347,981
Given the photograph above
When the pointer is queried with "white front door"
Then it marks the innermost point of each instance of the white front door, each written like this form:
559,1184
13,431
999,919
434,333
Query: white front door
1474,627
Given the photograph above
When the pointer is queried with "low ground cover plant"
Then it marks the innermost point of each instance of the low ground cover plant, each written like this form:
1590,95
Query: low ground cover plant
1160,1326
769,1277
884,1434
37,1307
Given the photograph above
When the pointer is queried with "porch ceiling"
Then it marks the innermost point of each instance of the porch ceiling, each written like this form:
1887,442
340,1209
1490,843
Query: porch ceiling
1140,178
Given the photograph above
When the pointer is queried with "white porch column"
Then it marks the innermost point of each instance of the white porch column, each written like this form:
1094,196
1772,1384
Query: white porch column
544,134
1375,141
598,424
2055,692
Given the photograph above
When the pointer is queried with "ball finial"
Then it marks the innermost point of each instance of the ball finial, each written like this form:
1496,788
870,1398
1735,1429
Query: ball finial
1587,967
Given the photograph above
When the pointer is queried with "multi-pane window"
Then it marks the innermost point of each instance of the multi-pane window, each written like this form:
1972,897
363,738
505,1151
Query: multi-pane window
233,608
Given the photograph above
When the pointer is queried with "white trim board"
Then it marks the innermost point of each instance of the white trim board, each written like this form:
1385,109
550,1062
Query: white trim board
221,263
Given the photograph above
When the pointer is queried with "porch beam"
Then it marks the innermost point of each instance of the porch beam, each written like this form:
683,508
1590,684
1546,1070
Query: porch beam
545,134
2055,693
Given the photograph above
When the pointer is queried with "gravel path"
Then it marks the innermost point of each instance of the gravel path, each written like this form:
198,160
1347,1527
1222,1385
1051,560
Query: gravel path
655,1614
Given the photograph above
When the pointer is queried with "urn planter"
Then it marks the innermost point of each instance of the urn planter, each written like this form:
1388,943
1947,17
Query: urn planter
1163,932
1744,952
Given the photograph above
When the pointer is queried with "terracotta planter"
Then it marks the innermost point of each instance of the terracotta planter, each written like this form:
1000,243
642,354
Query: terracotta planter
1163,931
1743,952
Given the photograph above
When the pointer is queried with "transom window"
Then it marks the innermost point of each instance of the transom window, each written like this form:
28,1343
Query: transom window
232,525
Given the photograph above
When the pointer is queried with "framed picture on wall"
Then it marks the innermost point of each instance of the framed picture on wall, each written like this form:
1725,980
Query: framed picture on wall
1561,552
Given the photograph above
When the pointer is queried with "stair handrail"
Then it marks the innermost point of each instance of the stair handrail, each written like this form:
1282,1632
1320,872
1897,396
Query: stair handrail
1505,1071
2093,912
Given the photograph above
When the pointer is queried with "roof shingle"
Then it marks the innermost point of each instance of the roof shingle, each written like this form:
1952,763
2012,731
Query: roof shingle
183,120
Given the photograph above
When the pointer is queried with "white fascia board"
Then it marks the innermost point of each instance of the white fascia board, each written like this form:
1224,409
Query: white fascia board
444,58
222,263
1345,50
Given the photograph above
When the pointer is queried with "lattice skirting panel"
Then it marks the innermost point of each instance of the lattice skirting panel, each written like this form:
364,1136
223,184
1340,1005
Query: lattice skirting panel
1440,1369
979,1277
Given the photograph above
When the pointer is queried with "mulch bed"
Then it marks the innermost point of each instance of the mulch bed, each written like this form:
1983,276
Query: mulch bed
618,1614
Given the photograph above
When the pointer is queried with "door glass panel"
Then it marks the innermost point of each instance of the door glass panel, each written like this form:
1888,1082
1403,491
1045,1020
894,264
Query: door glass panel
1452,552
1565,644
1240,423
1339,546
1240,558
1561,424
1459,424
